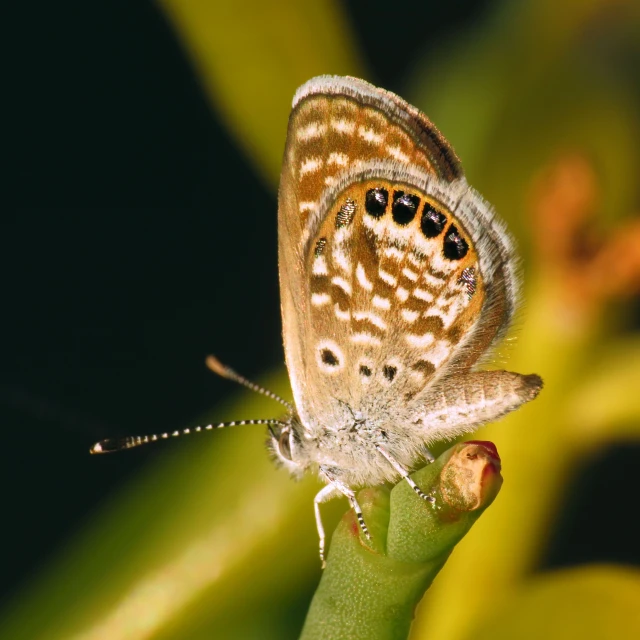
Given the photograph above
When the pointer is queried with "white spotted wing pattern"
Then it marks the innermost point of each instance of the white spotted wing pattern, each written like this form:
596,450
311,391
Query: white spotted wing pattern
396,279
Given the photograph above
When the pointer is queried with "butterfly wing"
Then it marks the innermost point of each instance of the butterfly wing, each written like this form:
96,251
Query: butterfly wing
393,272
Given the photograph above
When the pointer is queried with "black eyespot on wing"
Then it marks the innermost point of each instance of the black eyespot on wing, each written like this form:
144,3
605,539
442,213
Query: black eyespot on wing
404,207
365,371
432,221
375,202
455,246
389,372
330,358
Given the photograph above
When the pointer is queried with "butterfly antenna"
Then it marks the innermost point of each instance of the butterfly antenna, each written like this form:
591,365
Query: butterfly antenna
110,445
226,372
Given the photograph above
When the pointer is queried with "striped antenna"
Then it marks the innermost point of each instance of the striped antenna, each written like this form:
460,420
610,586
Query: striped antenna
110,445
227,372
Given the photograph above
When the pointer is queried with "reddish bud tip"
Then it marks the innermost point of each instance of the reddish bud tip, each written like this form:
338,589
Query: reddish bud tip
489,446
471,478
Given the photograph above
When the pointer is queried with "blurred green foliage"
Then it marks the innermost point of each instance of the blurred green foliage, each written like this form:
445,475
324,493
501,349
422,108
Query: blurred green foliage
541,103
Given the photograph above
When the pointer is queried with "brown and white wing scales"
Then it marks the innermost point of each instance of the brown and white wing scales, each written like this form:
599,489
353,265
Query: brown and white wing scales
382,284
393,272
468,400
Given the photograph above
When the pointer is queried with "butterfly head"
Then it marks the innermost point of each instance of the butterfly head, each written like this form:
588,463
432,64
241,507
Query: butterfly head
286,447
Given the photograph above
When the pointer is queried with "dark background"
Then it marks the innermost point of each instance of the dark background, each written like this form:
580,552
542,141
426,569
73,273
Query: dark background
136,239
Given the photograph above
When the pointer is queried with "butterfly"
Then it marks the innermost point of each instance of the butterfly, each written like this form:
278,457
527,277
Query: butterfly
397,279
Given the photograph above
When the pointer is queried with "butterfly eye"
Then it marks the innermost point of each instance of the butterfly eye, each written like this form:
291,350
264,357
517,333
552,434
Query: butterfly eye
432,222
405,206
455,246
284,444
376,202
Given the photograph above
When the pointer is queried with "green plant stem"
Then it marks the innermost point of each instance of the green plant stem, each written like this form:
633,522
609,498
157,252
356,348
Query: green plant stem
370,588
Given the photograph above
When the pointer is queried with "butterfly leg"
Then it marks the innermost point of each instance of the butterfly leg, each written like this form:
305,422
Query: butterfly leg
349,494
351,497
324,495
405,474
